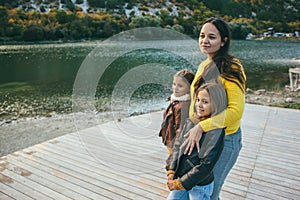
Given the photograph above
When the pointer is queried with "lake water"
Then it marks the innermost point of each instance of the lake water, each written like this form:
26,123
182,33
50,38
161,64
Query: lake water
38,79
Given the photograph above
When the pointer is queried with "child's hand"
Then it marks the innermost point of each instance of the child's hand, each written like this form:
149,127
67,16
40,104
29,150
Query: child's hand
175,184
170,177
170,184
193,138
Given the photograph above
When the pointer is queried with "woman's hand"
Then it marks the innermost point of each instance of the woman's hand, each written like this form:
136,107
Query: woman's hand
194,135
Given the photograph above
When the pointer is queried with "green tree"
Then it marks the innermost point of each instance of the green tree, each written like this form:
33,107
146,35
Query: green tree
15,31
11,3
112,4
50,33
166,18
79,1
107,29
145,21
188,25
294,26
178,28
71,6
3,20
61,16
34,32
21,14
240,30
97,3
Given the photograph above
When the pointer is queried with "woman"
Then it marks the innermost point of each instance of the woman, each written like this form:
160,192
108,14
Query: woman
214,41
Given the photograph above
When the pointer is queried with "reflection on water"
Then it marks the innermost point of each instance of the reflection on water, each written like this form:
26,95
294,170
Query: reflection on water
267,62
46,73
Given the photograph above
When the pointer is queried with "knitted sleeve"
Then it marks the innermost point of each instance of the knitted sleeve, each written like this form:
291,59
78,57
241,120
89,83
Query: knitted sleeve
232,115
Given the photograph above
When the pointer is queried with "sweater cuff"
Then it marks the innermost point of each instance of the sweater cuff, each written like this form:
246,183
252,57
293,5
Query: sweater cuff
170,172
178,185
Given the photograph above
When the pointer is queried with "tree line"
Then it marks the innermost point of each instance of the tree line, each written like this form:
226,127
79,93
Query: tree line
254,16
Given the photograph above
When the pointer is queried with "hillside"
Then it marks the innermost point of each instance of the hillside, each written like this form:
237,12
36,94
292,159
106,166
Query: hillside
286,10
93,6
38,20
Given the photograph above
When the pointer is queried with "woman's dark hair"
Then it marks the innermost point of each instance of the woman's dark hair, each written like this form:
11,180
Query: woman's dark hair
217,95
222,59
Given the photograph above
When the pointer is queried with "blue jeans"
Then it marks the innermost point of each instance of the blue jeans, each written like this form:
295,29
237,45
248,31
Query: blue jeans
196,193
229,155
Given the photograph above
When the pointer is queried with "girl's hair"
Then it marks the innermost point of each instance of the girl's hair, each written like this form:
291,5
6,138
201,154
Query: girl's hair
217,95
186,75
223,59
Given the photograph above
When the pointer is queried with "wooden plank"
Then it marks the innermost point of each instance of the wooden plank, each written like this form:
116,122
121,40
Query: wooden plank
231,189
112,134
251,196
275,164
71,179
26,186
68,147
4,196
241,181
283,188
92,163
269,191
230,196
278,171
125,162
46,179
77,169
279,155
122,145
11,191
157,177
135,160
266,168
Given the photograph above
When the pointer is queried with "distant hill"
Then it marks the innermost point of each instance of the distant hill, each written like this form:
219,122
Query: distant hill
286,10
36,20
137,8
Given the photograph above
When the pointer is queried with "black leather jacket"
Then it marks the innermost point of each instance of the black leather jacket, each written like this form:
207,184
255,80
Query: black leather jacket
196,169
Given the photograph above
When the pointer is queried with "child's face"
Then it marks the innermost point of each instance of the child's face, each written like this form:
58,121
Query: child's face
203,104
180,87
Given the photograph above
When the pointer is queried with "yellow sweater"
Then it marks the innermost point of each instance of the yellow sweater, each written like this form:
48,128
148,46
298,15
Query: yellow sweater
229,118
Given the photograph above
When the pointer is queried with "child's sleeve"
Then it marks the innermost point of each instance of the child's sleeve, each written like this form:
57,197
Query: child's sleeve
209,154
180,116
171,163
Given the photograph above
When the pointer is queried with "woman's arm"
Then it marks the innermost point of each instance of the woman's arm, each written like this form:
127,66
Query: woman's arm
232,114
228,118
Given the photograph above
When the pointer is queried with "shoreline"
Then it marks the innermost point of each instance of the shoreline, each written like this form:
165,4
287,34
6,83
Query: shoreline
283,98
20,133
25,132
17,42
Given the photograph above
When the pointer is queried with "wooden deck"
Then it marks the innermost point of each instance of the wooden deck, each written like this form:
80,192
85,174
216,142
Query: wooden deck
125,160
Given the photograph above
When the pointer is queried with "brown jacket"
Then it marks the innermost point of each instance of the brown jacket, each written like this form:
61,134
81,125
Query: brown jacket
173,120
